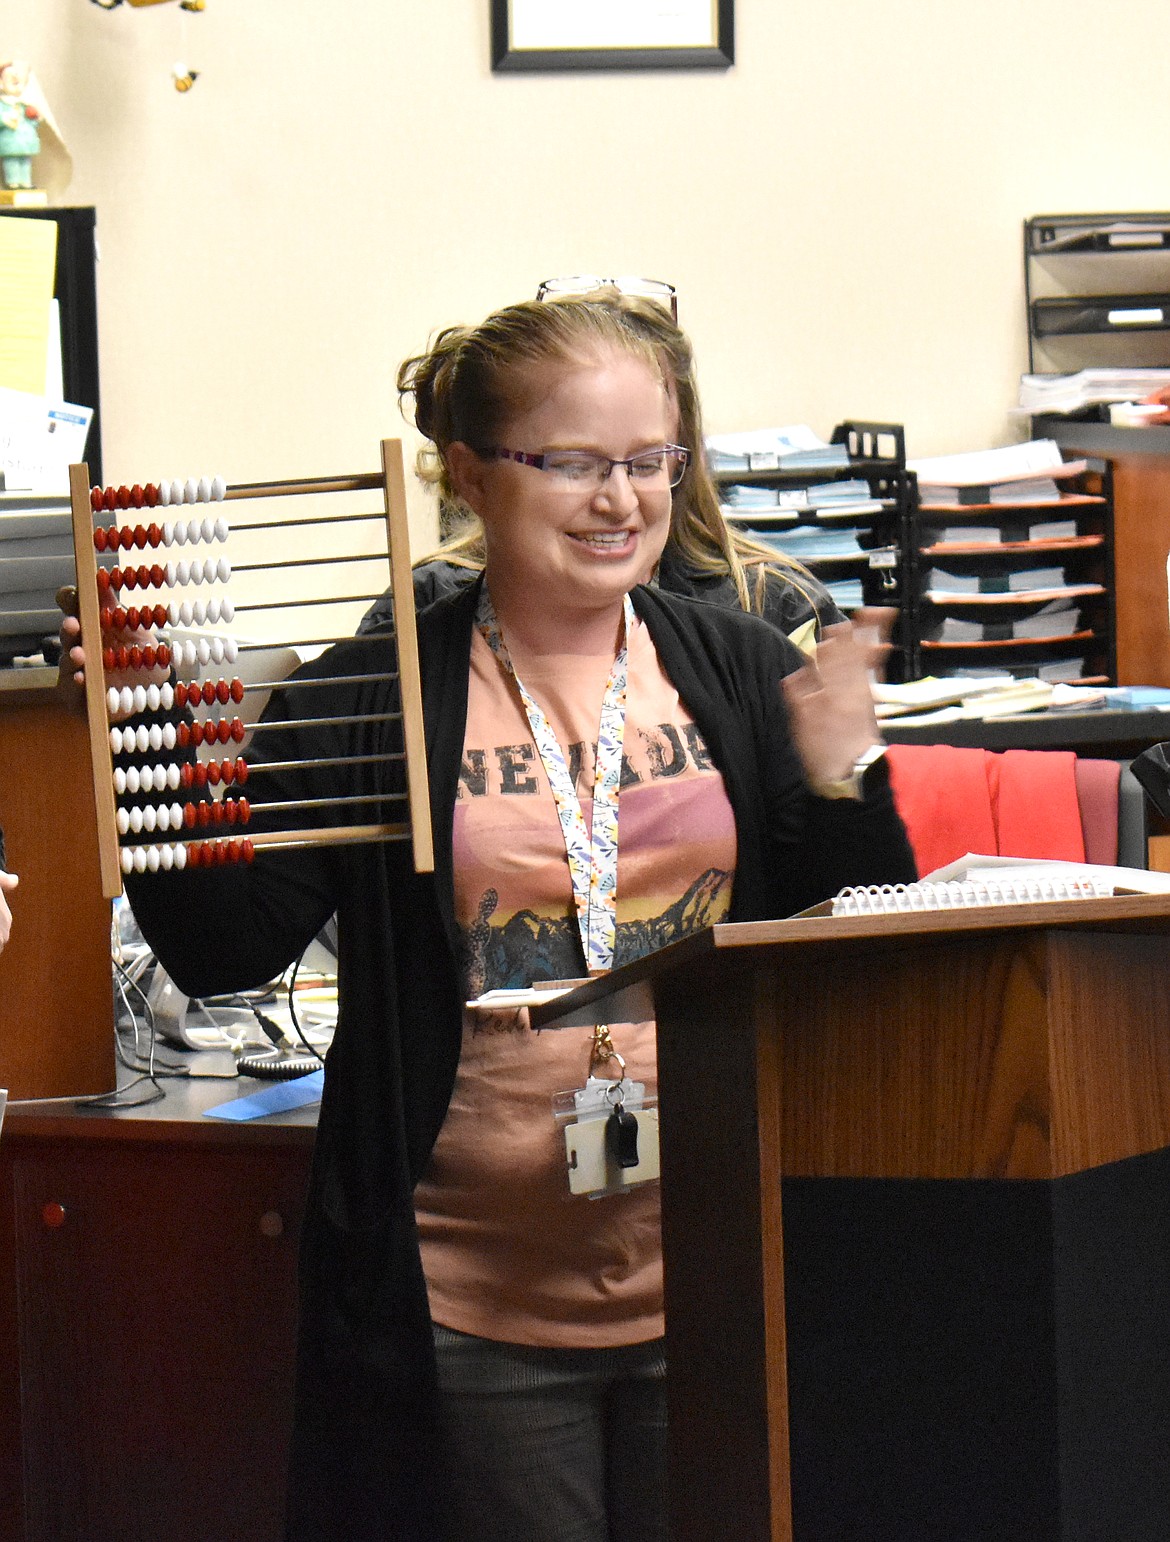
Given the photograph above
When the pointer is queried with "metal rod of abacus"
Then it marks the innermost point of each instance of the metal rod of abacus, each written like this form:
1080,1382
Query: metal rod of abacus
308,562
318,519
327,599
369,481
317,722
364,797
280,685
318,642
323,760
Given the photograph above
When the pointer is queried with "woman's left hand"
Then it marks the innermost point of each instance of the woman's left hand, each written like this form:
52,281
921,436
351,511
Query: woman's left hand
830,705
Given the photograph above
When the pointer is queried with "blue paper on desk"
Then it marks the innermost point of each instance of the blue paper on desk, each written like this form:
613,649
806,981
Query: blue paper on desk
276,1099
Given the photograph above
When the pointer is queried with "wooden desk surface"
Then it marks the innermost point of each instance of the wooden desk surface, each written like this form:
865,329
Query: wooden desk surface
1112,733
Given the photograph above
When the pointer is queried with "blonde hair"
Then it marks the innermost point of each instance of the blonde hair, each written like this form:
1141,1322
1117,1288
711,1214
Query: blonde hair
470,382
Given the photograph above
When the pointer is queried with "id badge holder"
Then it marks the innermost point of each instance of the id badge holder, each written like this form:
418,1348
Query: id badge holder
610,1128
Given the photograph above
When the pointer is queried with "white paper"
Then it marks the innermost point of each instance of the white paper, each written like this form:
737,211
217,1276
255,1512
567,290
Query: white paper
610,24
40,438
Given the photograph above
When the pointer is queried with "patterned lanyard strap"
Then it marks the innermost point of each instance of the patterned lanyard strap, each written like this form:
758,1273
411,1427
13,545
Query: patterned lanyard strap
592,862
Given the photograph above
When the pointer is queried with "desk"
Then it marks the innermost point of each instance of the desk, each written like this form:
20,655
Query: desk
147,1315
1111,733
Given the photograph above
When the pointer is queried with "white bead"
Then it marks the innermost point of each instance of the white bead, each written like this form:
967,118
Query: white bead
119,780
194,531
170,571
180,857
136,820
190,490
149,819
116,740
185,613
153,859
218,488
126,699
217,649
123,820
164,492
173,613
204,491
170,734
174,776
213,609
180,528
146,779
168,533
183,571
226,609
231,649
113,699
221,529
153,697
126,859
204,650
207,526
211,570
155,737
142,738
223,569
133,779
199,612
164,816
139,860
176,816
166,697
140,698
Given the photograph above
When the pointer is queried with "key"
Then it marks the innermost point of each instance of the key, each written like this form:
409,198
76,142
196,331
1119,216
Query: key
621,1137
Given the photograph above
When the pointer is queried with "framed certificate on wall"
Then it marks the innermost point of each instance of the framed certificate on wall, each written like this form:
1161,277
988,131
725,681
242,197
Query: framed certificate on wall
613,34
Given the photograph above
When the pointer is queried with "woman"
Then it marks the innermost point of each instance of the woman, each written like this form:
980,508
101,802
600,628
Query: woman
8,882
480,1353
704,556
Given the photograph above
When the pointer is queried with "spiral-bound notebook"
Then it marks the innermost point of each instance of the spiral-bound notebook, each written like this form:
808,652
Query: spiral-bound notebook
975,880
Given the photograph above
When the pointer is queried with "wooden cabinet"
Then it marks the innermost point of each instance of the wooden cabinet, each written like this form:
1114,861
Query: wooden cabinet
147,1315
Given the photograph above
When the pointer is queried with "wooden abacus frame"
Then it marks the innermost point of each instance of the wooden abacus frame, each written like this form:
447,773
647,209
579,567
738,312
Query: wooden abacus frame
392,483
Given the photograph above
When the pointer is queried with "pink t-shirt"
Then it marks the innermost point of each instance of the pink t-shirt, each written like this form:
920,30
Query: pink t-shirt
508,1252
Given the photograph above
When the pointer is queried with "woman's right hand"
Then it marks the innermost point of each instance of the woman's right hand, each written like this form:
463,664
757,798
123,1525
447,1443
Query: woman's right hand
71,665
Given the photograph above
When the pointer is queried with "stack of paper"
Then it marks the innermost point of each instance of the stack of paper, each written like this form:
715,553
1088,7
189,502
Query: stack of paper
1015,473
940,583
36,558
773,449
1088,388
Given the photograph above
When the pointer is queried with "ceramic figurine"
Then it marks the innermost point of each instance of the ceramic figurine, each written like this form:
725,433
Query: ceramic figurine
20,138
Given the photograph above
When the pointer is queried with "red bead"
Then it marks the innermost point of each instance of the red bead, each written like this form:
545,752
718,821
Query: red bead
216,812
223,692
140,536
247,848
237,691
209,693
241,772
154,534
187,774
204,813
112,538
149,656
109,659
189,815
126,537
237,729
123,657
220,853
201,775
228,772
151,493
110,500
213,772
181,694
197,734
96,502
158,576
144,577
137,496
245,811
233,851
162,652
123,497
53,1215
99,538
132,617
183,735
127,576
160,615
119,618
103,581
106,617
135,657
194,858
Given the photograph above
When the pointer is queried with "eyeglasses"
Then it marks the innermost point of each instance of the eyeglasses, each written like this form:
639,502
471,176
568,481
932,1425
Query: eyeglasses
587,283
577,468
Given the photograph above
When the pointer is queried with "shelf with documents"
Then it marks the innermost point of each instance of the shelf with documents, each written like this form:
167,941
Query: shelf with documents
844,523
1097,290
1023,588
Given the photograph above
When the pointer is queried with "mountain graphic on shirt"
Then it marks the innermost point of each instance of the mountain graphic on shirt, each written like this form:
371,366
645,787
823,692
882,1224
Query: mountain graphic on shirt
528,947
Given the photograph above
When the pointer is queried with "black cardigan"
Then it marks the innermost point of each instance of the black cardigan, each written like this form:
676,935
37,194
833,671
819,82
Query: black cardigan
363,1465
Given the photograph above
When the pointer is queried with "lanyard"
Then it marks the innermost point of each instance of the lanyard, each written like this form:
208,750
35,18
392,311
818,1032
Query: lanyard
592,862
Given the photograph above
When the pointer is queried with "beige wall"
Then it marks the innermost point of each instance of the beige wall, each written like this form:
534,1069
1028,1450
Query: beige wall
841,211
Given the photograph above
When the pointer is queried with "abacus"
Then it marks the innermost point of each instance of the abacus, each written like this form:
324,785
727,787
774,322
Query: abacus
202,815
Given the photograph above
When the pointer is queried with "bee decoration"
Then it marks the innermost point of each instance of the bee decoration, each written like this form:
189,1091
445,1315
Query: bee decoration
184,78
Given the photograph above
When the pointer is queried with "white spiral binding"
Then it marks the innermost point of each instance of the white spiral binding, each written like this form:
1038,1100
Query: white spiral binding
905,898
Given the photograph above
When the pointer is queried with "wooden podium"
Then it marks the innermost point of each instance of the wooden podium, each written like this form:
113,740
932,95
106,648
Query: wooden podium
961,1330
